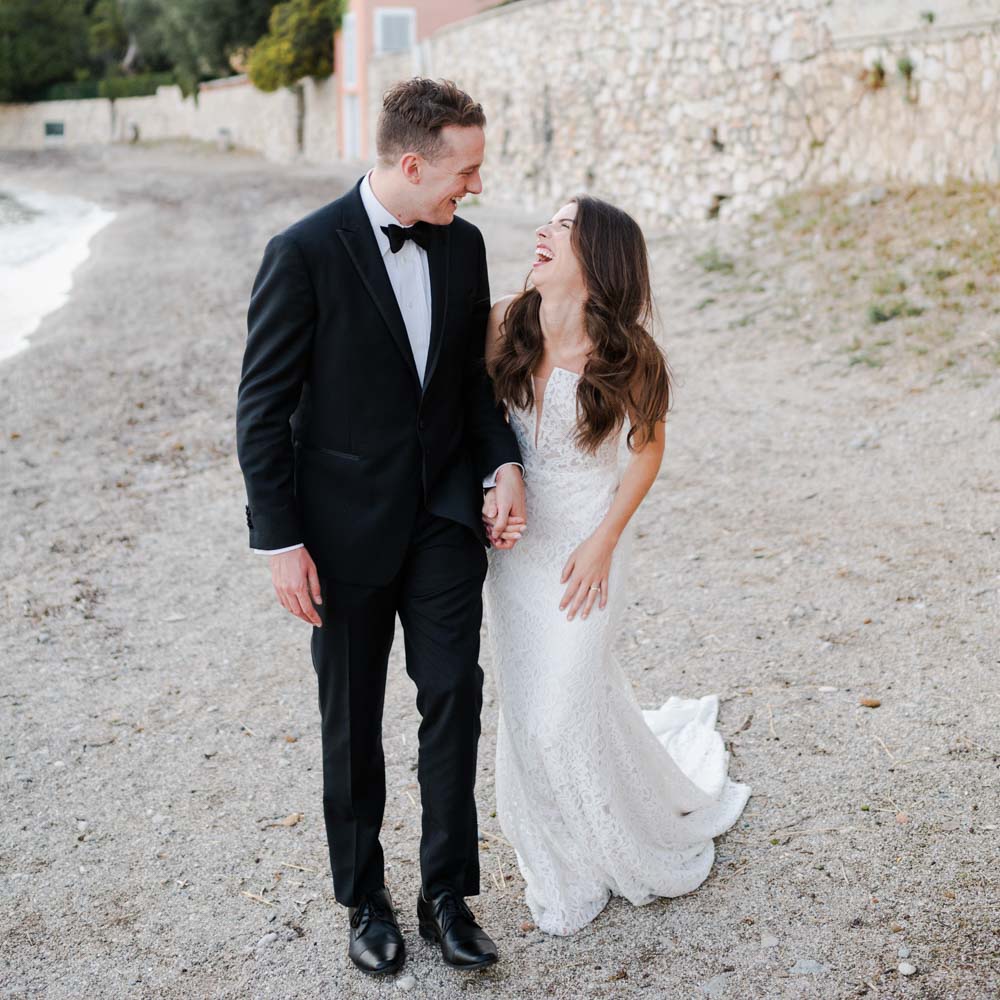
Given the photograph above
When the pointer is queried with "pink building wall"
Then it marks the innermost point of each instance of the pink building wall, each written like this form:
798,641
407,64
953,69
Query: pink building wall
353,99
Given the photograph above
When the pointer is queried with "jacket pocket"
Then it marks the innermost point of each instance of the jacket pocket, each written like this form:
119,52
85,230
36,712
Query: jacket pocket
313,450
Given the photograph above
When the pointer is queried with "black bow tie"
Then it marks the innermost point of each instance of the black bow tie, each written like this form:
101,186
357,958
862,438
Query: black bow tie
419,232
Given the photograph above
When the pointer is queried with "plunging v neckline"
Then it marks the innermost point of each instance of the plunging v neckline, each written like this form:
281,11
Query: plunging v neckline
540,400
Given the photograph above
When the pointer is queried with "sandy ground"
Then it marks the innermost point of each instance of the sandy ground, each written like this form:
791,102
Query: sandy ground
822,531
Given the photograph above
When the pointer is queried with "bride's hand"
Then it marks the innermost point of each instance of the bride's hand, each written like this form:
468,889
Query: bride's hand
587,571
515,525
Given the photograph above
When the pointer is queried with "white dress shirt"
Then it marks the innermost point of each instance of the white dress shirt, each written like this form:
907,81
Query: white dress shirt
410,277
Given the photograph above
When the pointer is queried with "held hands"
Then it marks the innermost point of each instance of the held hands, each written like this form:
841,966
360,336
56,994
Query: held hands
587,571
507,514
296,583
515,525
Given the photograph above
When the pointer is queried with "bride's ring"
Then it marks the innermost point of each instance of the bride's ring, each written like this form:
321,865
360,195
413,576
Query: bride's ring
596,586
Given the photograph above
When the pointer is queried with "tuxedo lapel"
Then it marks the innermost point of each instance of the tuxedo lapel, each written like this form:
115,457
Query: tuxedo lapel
437,263
359,241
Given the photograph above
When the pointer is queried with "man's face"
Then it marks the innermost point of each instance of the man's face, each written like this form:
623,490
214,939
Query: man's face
453,174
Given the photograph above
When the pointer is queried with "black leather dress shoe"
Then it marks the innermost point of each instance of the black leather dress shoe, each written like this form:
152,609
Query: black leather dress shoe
446,920
376,943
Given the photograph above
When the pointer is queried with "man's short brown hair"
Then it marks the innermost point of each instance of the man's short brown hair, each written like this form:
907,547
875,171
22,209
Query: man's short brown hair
414,112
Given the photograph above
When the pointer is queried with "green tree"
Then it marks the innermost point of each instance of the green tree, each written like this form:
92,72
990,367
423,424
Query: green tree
41,42
299,43
108,35
200,36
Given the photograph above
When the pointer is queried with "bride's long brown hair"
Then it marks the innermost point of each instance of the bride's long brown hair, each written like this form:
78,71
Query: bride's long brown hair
626,371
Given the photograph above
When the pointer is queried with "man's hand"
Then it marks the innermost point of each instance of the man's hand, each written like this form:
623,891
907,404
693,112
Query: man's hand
510,502
296,583
515,525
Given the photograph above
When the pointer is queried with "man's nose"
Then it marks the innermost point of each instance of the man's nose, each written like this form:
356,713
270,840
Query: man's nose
475,184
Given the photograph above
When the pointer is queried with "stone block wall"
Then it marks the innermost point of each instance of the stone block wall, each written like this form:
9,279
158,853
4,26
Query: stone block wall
22,126
271,124
680,109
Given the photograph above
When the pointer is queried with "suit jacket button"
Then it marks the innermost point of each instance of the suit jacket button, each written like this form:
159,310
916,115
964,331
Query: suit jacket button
421,425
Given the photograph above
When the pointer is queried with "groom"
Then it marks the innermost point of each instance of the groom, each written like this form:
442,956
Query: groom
366,430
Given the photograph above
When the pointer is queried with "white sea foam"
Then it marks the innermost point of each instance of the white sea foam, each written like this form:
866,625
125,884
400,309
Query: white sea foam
43,239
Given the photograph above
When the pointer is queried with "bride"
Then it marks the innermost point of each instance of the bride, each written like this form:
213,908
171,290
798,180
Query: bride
596,796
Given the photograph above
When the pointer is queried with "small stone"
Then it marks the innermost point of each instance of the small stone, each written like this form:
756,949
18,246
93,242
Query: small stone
903,951
59,763
866,439
81,825
158,819
269,938
527,925
907,969
716,986
768,941
406,983
871,196
807,967
869,702
895,928
826,688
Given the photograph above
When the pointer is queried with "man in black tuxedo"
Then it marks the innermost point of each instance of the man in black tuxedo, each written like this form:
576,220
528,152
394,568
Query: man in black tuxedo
366,431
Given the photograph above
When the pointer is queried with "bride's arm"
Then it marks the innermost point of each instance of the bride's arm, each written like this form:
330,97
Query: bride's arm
515,525
590,564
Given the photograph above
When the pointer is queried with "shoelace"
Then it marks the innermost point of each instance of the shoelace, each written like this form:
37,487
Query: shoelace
451,909
371,909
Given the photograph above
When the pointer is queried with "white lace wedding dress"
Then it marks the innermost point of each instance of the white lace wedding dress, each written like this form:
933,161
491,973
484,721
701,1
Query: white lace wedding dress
595,795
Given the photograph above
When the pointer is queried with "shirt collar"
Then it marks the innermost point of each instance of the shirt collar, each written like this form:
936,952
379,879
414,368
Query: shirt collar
378,214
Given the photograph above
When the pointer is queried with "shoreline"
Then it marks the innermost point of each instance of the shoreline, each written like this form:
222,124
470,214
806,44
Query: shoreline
46,240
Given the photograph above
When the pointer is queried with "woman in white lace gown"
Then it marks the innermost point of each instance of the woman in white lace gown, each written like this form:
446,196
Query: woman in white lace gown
596,796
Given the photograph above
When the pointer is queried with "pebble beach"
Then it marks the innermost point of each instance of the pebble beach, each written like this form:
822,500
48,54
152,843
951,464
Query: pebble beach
822,550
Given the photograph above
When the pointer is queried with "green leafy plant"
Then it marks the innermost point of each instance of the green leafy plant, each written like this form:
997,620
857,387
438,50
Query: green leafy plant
712,260
299,43
879,312
873,77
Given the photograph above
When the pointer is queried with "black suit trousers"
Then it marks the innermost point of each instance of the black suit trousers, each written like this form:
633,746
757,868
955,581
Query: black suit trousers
437,595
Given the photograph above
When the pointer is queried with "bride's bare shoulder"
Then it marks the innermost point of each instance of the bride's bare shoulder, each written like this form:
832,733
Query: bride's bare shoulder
497,313
500,307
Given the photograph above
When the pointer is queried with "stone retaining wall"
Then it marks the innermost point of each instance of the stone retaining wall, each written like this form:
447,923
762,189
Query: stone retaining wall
680,109
230,110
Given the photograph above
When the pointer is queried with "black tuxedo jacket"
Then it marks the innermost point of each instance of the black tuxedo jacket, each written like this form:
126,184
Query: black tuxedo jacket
338,441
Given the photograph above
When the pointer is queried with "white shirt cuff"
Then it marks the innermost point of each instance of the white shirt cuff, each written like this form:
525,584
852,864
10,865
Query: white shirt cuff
274,552
490,481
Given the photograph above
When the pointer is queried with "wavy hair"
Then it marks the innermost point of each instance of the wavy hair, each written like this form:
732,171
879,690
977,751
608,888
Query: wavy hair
626,372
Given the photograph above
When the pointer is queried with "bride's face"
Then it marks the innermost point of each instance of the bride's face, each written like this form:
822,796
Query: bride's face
556,263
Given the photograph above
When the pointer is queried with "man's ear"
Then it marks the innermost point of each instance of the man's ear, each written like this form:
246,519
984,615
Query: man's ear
412,165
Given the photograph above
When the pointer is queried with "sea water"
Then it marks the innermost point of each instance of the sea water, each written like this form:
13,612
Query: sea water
43,239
